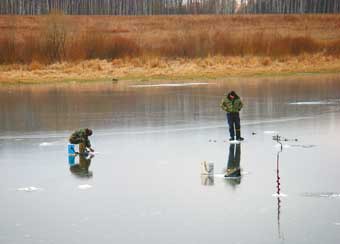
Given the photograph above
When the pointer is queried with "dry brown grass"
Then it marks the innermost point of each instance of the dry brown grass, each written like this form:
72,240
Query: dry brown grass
24,38
170,69
167,45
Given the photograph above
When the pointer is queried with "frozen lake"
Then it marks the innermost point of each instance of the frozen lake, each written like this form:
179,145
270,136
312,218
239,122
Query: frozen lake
145,184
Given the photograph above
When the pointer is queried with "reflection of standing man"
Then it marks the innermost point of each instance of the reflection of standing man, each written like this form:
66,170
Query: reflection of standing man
233,167
232,104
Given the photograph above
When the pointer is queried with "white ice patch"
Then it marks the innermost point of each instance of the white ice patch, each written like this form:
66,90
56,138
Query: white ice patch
315,103
219,175
338,224
283,146
172,84
29,189
270,132
323,195
84,187
234,142
334,195
45,144
279,195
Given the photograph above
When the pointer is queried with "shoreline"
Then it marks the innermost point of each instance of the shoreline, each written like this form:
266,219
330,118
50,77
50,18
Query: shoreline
148,69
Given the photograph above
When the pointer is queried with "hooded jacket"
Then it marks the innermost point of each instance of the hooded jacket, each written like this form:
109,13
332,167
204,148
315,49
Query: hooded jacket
231,105
80,136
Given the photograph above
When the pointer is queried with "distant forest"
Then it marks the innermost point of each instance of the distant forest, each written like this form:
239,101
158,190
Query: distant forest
167,7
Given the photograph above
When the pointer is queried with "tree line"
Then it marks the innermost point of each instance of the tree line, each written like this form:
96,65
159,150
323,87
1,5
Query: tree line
166,7
289,6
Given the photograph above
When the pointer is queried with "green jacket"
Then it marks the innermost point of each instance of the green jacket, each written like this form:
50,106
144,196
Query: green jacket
231,106
79,136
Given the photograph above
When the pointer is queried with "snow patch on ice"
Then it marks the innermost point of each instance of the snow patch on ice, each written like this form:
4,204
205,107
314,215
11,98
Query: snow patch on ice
315,102
45,144
323,195
234,142
84,187
219,175
283,145
304,146
29,189
270,132
279,195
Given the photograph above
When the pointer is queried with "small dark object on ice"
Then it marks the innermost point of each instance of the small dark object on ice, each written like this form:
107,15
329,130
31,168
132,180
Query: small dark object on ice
215,141
253,133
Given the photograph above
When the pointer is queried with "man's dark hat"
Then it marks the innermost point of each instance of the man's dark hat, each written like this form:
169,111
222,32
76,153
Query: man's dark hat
88,131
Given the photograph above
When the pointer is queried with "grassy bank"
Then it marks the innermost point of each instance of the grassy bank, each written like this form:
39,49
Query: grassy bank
143,69
65,48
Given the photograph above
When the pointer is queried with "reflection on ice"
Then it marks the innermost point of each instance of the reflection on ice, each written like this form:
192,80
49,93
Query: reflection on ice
80,169
207,173
233,171
207,180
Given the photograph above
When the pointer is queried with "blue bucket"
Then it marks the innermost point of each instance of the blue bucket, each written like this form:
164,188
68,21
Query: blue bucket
71,160
70,149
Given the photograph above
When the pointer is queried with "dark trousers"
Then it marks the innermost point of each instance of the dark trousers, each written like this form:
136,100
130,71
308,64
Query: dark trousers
234,124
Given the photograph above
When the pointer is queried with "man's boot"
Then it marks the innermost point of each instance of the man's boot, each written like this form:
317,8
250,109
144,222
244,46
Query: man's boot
238,135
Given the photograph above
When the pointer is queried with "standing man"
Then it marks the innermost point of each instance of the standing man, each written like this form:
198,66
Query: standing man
232,104
81,137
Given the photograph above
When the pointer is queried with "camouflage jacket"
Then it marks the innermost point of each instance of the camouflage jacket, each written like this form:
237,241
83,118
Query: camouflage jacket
81,137
231,106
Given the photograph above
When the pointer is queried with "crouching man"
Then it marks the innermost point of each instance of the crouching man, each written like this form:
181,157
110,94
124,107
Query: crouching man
81,137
